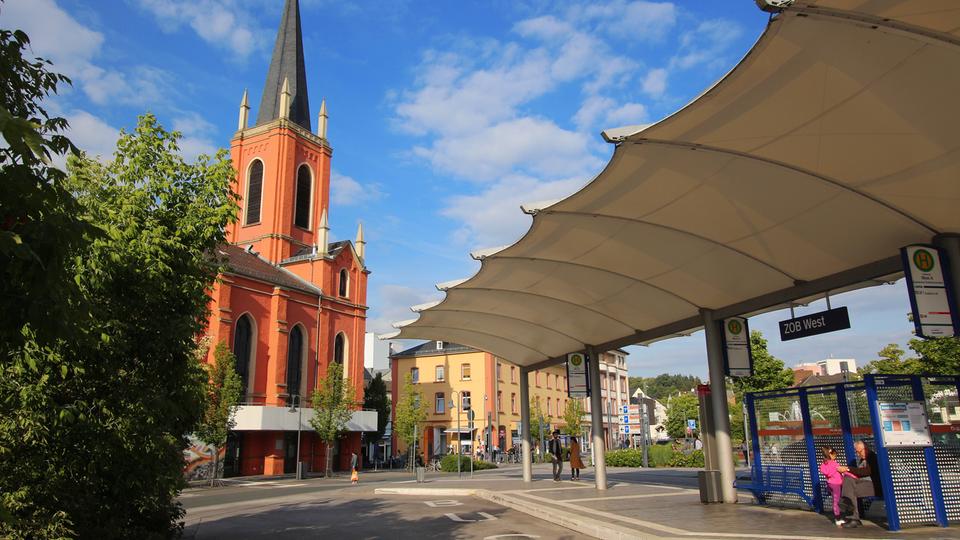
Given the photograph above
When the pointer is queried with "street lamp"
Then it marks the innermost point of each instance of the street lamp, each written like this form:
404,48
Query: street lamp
296,402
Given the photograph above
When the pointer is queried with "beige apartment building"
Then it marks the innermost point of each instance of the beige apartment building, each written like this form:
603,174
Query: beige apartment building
475,381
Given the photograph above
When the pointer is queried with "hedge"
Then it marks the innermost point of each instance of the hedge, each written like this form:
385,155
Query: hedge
449,464
658,456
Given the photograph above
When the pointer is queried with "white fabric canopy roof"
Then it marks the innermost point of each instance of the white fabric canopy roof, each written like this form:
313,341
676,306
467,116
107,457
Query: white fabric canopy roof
831,145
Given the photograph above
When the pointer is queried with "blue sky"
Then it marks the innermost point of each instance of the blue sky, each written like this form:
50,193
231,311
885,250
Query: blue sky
444,116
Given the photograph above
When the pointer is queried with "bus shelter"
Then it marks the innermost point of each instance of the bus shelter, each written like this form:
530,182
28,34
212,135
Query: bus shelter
911,422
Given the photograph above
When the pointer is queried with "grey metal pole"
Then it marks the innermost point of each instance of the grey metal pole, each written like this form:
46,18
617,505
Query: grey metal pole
299,423
525,442
459,435
596,418
747,436
721,418
646,431
950,244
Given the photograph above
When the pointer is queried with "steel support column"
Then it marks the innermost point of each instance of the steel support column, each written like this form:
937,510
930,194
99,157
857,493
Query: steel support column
721,415
596,418
525,443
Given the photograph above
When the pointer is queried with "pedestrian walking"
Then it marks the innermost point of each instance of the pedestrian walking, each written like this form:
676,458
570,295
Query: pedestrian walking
576,463
354,463
556,455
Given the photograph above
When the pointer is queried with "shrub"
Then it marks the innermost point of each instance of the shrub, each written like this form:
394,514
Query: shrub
657,456
449,464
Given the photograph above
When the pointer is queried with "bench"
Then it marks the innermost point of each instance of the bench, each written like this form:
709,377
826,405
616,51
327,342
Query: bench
788,480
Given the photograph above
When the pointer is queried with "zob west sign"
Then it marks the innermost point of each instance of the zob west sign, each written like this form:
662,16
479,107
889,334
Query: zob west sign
814,324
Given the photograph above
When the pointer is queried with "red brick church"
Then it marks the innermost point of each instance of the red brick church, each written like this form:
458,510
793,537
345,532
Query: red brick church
291,302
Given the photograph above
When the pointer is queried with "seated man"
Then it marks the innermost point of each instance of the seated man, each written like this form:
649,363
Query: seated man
866,483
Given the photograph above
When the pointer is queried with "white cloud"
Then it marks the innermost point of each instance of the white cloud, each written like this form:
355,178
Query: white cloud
655,82
706,44
493,216
393,305
627,114
346,191
532,145
592,109
92,134
215,21
640,20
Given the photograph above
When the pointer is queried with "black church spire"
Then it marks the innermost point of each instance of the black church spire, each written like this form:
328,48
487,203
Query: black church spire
287,64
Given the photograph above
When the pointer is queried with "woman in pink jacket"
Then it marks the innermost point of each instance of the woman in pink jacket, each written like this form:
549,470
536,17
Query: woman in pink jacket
834,480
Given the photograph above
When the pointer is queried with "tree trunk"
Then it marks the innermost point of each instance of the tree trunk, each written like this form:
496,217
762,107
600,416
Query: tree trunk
328,460
213,473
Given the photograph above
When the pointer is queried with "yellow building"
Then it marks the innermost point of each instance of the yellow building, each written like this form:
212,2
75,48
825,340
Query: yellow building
476,381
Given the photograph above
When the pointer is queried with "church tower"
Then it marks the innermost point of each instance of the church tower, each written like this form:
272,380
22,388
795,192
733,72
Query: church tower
283,167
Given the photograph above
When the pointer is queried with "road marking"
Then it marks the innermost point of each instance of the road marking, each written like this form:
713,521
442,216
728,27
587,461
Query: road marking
513,535
486,517
645,496
549,489
443,503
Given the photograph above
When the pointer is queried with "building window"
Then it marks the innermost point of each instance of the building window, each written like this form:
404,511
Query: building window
499,377
301,213
556,382
339,345
465,401
254,192
439,373
415,375
513,402
549,407
440,402
513,375
344,282
294,361
547,375
536,378
242,350
464,372
499,400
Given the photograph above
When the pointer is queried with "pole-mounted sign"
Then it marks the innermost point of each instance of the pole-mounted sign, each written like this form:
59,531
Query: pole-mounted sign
814,324
738,359
578,383
930,289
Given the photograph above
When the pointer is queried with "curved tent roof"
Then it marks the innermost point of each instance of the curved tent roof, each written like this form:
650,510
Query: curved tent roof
831,145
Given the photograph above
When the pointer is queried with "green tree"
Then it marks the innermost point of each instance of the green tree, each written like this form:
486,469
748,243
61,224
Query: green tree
892,361
679,409
769,373
375,397
937,355
538,424
333,404
410,413
95,418
223,394
665,385
573,417
634,383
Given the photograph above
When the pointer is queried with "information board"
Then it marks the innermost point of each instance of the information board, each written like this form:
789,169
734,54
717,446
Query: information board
904,423
736,347
578,385
933,314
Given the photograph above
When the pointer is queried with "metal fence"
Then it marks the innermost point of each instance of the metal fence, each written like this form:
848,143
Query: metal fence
921,481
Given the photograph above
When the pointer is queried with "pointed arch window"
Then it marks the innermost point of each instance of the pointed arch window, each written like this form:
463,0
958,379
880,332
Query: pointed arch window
254,192
243,349
339,348
301,217
344,282
294,361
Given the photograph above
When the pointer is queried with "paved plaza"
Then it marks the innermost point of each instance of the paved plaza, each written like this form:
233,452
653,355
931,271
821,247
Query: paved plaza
651,503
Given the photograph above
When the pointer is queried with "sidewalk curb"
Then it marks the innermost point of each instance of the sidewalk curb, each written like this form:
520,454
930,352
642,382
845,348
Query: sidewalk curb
580,524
